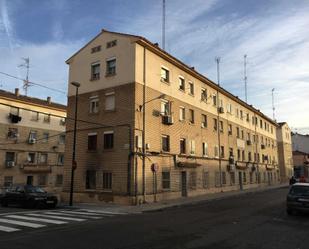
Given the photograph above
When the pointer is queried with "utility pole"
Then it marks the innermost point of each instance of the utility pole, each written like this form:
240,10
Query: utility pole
163,24
26,64
245,77
217,59
273,103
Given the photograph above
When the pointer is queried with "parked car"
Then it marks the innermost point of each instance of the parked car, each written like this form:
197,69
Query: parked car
28,196
298,198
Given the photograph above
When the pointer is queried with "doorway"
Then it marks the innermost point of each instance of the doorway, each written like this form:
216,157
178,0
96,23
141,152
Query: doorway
240,180
29,180
184,184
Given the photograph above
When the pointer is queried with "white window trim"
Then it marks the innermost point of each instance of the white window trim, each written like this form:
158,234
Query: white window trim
92,133
111,58
95,63
110,93
108,132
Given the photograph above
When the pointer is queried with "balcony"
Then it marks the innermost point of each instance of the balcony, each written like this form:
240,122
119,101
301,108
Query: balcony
29,167
167,119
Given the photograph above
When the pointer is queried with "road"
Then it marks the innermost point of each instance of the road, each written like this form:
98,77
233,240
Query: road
255,220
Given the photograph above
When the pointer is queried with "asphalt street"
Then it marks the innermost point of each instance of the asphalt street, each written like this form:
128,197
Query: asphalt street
255,220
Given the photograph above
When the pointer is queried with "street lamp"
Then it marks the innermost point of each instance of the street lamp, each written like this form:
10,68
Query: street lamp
77,85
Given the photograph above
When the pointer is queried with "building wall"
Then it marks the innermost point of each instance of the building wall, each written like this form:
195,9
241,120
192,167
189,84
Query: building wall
300,142
285,152
20,145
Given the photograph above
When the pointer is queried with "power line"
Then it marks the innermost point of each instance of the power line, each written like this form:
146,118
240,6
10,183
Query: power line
33,83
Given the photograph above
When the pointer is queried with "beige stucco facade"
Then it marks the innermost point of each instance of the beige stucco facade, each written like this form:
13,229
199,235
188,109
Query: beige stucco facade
285,151
31,150
179,142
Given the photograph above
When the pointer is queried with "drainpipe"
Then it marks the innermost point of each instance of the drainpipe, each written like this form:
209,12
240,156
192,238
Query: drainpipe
144,127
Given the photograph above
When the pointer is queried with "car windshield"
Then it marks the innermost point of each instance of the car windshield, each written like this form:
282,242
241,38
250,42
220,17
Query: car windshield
300,190
32,189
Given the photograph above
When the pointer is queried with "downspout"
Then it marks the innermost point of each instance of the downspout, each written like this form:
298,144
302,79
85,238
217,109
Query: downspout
144,126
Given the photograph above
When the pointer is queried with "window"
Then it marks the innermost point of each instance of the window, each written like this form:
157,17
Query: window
247,117
45,137
242,134
108,139
231,152
8,181
94,105
9,157
13,133
32,135
95,49
215,124
42,180
192,147
46,118
111,44
229,108
249,156
59,180
261,123
165,107
214,100
204,121
62,139
165,75
238,155
217,179
90,179
92,141
95,71
248,136
191,116
243,155
182,113
222,151
110,101
191,88
221,126
244,177
165,143
111,67
237,112
192,180
216,151
166,180
182,86
206,179
182,146
241,114
230,129
60,159
31,157
205,149
43,158
34,116
62,121
107,180
223,178
204,94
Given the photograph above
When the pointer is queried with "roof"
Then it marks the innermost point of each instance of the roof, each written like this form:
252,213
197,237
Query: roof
31,100
297,152
156,49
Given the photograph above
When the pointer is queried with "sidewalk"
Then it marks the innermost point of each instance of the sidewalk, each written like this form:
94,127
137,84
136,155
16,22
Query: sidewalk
184,201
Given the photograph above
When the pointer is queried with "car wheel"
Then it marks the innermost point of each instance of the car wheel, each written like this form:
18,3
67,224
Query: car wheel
289,211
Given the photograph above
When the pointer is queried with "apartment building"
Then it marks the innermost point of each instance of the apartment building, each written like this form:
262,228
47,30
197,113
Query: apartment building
32,138
152,128
285,151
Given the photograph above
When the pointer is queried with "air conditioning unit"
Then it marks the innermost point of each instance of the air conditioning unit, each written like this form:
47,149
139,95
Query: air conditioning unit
139,142
167,119
249,142
221,109
10,164
202,125
230,167
32,141
231,160
230,132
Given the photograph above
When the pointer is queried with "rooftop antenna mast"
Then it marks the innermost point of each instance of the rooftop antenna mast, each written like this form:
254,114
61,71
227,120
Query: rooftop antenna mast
26,64
245,77
273,103
163,24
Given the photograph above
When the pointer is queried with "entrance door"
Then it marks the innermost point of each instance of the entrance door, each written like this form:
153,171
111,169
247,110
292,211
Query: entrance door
184,183
240,180
29,180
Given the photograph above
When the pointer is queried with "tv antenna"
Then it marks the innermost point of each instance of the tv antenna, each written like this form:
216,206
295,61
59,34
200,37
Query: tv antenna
26,65
245,76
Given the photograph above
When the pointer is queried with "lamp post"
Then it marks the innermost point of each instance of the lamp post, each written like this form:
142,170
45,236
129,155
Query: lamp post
77,85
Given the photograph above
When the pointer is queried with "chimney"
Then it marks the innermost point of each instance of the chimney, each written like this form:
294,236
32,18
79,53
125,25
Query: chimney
17,92
156,44
48,100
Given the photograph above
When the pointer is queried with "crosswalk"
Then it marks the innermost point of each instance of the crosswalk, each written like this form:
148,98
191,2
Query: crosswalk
15,222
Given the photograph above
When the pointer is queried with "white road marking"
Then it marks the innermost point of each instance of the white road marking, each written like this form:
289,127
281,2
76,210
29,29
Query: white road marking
21,223
8,229
58,222
56,217
102,212
74,215
84,213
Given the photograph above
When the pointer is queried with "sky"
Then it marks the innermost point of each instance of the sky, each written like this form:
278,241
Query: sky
272,33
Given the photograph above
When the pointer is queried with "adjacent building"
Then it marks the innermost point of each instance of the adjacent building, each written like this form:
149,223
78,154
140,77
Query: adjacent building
301,155
152,128
32,138
285,152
